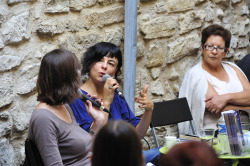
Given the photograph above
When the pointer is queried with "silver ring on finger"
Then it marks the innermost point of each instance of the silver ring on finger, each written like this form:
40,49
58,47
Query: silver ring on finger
110,87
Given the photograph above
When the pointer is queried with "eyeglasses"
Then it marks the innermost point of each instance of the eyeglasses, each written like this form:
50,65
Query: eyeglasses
218,49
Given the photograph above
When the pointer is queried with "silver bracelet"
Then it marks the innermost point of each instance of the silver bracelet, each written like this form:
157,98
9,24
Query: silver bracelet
92,132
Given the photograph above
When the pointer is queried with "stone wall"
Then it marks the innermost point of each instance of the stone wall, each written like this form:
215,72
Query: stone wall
248,4
168,44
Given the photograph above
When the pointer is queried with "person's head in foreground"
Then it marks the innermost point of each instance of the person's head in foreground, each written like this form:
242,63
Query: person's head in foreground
117,143
191,154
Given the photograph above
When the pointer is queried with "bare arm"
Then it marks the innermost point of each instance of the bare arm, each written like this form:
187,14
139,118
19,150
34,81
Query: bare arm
236,101
97,116
235,107
230,101
240,100
148,105
209,105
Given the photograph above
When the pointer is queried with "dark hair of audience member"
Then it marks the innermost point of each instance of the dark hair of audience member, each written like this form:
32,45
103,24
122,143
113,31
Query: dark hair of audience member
57,83
117,143
96,52
191,154
216,30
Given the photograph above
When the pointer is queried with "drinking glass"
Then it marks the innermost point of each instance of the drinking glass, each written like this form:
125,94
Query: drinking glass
245,127
246,145
206,135
170,141
224,144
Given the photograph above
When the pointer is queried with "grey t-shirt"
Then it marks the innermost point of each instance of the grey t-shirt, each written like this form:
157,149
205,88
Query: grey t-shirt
58,142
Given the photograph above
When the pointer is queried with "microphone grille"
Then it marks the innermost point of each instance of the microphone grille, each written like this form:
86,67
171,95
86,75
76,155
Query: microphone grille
105,77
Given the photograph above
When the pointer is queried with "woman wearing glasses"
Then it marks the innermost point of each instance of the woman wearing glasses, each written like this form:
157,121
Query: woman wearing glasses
211,77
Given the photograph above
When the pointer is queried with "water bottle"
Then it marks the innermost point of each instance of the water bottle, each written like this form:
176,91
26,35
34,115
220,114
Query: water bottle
222,125
222,136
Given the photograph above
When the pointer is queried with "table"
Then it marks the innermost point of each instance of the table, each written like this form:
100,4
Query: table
216,147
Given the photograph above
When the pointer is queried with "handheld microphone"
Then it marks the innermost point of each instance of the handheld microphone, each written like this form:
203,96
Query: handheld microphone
104,78
94,103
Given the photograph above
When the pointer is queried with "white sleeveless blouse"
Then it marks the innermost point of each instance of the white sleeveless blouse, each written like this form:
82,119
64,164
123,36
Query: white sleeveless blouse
221,87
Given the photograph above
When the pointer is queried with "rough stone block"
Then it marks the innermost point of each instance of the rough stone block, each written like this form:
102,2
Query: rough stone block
233,42
77,5
160,7
239,55
107,17
140,52
68,42
174,74
243,42
183,47
52,27
228,18
191,20
155,57
157,88
197,2
26,81
10,2
108,2
244,10
180,5
4,115
210,14
60,6
142,77
146,0
240,27
155,72
6,152
38,54
21,113
1,44
2,17
236,1
6,89
8,62
16,29
160,27
145,17
219,13
87,40
20,120
225,3
38,10
220,1
5,127
114,36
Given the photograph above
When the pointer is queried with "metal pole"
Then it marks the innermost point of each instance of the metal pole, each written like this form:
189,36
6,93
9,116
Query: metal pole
130,51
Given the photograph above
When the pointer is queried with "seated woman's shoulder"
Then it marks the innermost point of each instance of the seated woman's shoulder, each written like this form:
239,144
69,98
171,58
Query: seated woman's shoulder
195,70
41,114
232,65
